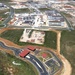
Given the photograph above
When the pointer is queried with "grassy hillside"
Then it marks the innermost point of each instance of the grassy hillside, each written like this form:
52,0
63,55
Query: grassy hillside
68,47
14,36
6,66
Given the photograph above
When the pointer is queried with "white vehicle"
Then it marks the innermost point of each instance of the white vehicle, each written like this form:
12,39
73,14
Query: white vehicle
28,57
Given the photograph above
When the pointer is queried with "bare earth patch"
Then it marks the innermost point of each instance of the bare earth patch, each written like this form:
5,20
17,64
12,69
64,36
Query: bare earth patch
67,66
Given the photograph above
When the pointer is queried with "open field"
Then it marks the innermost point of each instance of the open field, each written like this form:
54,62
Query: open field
50,39
14,36
8,68
68,47
5,0
24,10
3,16
45,9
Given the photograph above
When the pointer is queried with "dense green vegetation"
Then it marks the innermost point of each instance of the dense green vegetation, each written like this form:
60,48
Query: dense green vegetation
50,39
23,69
14,36
68,47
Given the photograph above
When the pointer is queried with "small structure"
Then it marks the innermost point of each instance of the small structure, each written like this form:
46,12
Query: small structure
44,55
24,53
32,48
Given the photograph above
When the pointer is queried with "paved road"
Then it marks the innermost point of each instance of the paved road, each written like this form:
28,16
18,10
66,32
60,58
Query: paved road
32,59
37,63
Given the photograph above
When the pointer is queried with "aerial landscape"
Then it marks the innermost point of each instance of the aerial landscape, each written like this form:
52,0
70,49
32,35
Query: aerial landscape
37,37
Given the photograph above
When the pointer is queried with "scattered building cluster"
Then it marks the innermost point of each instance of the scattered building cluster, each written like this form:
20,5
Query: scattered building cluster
47,19
70,9
19,5
3,6
55,19
26,51
36,36
50,18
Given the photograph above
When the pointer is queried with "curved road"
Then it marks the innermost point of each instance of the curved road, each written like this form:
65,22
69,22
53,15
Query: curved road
15,50
33,59
11,14
36,62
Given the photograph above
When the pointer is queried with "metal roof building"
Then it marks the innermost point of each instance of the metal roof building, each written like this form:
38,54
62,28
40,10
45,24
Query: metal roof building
32,48
24,53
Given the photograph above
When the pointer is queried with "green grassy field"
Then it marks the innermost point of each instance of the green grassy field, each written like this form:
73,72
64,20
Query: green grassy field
50,39
6,65
26,10
68,47
14,36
